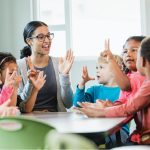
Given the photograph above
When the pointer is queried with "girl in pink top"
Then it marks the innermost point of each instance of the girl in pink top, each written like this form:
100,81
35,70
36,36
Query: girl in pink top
135,79
9,78
138,105
10,81
129,79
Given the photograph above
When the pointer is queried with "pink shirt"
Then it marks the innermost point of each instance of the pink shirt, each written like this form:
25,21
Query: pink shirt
5,94
140,106
136,80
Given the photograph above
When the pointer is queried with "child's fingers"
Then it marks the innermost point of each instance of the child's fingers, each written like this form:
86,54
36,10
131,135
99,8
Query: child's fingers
99,101
108,44
92,78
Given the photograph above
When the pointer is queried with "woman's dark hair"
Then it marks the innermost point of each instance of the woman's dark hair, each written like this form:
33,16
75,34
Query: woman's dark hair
145,49
27,33
6,58
25,52
137,39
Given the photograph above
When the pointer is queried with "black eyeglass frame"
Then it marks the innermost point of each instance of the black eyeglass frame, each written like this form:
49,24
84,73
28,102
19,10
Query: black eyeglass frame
50,36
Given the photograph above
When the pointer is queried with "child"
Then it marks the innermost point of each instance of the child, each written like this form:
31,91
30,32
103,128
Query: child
107,84
8,62
138,105
9,78
107,89
131,80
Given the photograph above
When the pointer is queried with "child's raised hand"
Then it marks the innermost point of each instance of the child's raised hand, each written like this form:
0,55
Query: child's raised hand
12,79
17,80
107,52
38,81
85,77
65,64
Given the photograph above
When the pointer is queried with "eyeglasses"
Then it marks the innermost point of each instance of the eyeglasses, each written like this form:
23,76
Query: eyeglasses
41,37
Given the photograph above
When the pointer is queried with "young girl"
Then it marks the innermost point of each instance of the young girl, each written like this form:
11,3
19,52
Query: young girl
107,89
130,80
9,66
8,82
9,78
138,105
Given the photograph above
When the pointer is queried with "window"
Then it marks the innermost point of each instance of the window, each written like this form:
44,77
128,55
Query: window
83,25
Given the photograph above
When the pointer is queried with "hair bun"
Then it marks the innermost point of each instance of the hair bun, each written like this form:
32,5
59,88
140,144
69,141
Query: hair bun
25,52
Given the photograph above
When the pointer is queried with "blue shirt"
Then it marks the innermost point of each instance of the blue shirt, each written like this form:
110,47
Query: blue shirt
98,92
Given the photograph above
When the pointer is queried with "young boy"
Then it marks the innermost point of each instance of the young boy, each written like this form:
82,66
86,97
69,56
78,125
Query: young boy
107,89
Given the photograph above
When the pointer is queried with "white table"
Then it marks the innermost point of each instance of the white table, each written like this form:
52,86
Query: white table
77,123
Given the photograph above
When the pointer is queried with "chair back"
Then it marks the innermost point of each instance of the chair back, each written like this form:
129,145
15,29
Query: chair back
22,133
66,141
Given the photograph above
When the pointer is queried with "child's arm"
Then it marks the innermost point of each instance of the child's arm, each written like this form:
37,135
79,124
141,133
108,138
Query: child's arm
80,94
121,79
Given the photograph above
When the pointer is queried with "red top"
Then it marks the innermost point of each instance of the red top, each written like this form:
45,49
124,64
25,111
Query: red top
136,80
139,105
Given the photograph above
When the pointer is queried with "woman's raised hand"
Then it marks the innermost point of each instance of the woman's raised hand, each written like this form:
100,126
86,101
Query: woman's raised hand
65,64
38,80
32,71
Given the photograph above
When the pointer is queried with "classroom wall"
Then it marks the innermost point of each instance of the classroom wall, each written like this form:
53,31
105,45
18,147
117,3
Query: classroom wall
145,17
14,14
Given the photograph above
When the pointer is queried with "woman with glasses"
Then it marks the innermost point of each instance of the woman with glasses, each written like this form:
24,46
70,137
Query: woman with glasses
56,94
